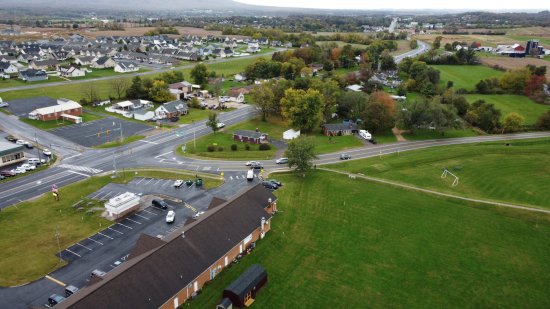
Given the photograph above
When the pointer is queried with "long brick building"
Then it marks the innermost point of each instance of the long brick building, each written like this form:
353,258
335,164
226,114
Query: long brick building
65,109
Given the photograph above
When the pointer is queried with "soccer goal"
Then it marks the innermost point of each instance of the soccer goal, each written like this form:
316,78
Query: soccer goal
447,172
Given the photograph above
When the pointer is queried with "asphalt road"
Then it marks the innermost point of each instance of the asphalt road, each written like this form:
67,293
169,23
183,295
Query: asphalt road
154,71
422,48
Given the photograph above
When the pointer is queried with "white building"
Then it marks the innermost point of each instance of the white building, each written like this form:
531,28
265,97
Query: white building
290,134
126,67
121,204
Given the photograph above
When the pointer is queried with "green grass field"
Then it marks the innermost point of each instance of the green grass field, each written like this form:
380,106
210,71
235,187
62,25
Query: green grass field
516,174
465,76
508,103
424,134
47,125
17,82
342,243
27,239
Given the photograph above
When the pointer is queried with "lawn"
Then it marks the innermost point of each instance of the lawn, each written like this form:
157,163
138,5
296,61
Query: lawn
465,76
424,134
27,237
508,103
7,83
516,174
325,145
104,73
117,143
375,246
47,125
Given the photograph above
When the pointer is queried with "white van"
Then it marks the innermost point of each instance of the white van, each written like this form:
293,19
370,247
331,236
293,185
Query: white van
33,161
365,134
250,175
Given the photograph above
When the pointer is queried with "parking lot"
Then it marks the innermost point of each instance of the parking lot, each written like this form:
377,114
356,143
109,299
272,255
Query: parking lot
22,107
100,131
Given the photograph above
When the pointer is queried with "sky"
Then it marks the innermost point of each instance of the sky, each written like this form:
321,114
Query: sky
496,5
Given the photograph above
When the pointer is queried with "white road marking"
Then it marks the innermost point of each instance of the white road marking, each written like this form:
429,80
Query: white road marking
116,231
105,235
83,246
95,241
149,212
140,181
73,253
74,172
133,221
76,155
81,168
206,168
148,142
125,226
231,177
150,179
142,217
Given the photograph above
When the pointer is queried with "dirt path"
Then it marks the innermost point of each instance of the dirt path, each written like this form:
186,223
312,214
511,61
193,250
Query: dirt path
398,134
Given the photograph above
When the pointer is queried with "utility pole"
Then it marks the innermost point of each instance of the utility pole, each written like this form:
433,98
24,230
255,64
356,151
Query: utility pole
194,144
121,136
114,162
36,145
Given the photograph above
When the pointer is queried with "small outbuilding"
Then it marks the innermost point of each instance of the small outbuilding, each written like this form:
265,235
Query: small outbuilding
249,136
242,291
290,134
225,304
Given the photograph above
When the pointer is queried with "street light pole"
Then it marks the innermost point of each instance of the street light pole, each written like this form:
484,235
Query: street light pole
36,145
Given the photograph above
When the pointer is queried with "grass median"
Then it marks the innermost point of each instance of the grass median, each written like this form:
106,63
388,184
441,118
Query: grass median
28,242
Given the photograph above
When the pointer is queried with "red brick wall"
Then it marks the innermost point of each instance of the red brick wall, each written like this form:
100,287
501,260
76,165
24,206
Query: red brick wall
185,293
57,115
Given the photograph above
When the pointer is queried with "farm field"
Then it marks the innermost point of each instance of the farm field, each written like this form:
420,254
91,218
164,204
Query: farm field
508,103
515,174
514,63
465,76
31,244
386,246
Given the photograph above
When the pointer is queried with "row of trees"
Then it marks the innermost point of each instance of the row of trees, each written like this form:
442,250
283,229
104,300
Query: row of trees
528,81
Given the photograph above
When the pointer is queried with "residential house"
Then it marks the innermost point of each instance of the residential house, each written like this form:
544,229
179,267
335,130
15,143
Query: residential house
338,129
70,71
31,75
126,67
7,68
154,275
43,64
182,90
143,114
103,63
10,59
172,109
249,136
83,60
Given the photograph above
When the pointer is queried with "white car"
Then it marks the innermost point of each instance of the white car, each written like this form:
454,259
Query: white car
220,125
21,142
170,216
46,152
282,161
4,104
250,163
178,183
28,167
19,170
199,213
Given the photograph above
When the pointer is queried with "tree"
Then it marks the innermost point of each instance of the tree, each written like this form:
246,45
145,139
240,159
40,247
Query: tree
172,77
514,81
413,44
534,85
512,122
330,91
483,115
136,90
199,74
263,97
387,62
379,113
159,92
302,108
212,121
437,42
90,92
543,123
300,153
428,114
119,86
351,104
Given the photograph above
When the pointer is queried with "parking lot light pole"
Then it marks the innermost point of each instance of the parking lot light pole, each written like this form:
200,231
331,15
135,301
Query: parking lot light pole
36,145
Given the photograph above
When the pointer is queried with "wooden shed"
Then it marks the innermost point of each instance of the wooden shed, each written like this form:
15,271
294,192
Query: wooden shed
242,291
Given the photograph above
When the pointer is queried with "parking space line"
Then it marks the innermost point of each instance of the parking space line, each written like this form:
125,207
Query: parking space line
95,241
101,198
115,231
73,253
98,193
84,246
151,179
166,182
125,226
133,221
104,235
55,280
143,217
149,212
142,179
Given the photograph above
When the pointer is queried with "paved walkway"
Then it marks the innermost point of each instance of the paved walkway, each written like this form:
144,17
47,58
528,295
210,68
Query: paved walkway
410,187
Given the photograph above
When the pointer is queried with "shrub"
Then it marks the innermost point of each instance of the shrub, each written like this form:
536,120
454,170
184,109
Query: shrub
210,148
264,147
247,147
234,147
220,148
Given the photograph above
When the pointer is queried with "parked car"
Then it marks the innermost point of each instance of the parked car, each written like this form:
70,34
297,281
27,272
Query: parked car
170,216
19,170
275,181
174,119
21,142
2,177
70,290
11,138
55,299
345,156
282,161
46,152
159,204
7,173
4,104
178,183
250,163
269,185
220,125
29,145
28,167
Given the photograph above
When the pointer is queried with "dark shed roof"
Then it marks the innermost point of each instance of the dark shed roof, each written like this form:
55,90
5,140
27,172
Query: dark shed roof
248,133
247,281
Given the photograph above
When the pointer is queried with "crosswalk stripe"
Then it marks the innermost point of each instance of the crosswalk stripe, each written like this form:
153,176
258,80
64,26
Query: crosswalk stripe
81,168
